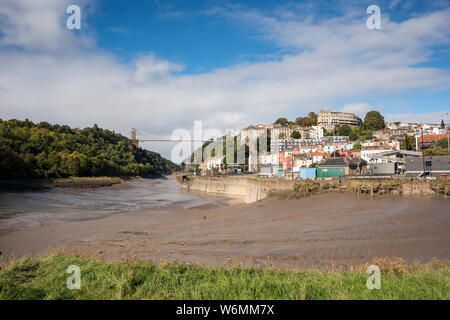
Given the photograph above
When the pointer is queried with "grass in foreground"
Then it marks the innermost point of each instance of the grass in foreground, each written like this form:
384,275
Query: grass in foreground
45,278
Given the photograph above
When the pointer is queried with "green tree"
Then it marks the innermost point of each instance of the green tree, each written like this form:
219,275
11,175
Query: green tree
296,135
282,121
373,121
357,146
436,151
313,116
299,121
307,122
353,135
344,130
442,124
326,133
29,150
442,143
407,143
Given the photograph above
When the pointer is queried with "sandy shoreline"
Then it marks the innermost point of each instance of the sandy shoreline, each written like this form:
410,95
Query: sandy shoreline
323,230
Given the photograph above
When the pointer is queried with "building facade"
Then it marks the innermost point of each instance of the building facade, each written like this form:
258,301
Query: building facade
329,119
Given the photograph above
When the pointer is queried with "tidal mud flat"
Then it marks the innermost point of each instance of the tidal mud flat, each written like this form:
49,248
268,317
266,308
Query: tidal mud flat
319,231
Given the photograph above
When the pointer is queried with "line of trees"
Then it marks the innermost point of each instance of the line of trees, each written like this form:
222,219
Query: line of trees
42,150
308,121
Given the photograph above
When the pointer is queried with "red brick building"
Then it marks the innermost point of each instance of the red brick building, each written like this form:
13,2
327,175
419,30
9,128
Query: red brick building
428,140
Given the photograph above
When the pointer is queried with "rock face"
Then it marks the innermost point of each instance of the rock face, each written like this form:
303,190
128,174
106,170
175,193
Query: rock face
249,187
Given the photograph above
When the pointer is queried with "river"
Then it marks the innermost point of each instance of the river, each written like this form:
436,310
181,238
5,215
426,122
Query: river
21,210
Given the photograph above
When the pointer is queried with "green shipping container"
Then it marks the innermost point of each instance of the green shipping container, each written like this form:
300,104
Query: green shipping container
330,172
280,172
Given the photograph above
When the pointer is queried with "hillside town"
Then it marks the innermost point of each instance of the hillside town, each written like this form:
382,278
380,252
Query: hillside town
336,144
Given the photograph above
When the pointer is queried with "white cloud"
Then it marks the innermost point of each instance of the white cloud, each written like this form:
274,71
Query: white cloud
39,25
150,68
359,108
431,117
336,58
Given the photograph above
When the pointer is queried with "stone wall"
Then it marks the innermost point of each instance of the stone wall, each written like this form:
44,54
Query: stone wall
250,187
253,188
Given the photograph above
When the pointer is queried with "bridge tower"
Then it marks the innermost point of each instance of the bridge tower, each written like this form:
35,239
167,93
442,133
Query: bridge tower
133,139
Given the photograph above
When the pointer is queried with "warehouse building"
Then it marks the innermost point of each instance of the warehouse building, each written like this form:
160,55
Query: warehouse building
339,167
427,166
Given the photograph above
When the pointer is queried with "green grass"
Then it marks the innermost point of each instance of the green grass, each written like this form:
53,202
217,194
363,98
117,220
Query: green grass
70,182
45,278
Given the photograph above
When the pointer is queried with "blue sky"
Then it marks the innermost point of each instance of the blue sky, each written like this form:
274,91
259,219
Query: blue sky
187,32
181,32
160,65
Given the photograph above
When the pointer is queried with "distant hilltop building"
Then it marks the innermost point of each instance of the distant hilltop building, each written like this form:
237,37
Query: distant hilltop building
279,131
329,119
252,132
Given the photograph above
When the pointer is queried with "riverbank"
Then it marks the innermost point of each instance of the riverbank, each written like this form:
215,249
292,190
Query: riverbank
320,231
253,188
45,278
70,182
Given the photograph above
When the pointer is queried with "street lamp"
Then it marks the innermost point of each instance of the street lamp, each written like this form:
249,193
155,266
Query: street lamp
448,133
421,147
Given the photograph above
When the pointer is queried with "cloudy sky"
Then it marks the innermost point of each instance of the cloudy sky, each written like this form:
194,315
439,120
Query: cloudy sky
159,65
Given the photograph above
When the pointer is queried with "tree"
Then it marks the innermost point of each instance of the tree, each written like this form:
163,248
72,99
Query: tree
29,150
299,121
307,122
310,120
353,136
282,121
357,146
296,135
373,121
326,133
344,130
442,143
436,151
407,144
313,116
442,124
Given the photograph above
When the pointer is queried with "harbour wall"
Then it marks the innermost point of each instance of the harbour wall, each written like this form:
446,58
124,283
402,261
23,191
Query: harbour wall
252,188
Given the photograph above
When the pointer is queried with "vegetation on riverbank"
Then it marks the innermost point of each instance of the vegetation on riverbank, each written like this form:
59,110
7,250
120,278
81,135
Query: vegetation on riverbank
305,188
71,182
43,151
45,278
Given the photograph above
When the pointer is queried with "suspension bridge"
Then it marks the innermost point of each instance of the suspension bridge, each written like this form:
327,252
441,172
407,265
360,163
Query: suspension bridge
138,136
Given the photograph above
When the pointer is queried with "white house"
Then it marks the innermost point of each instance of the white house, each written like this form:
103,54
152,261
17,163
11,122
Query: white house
269,158
368,154
329,148
318,156
318,132
214,163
